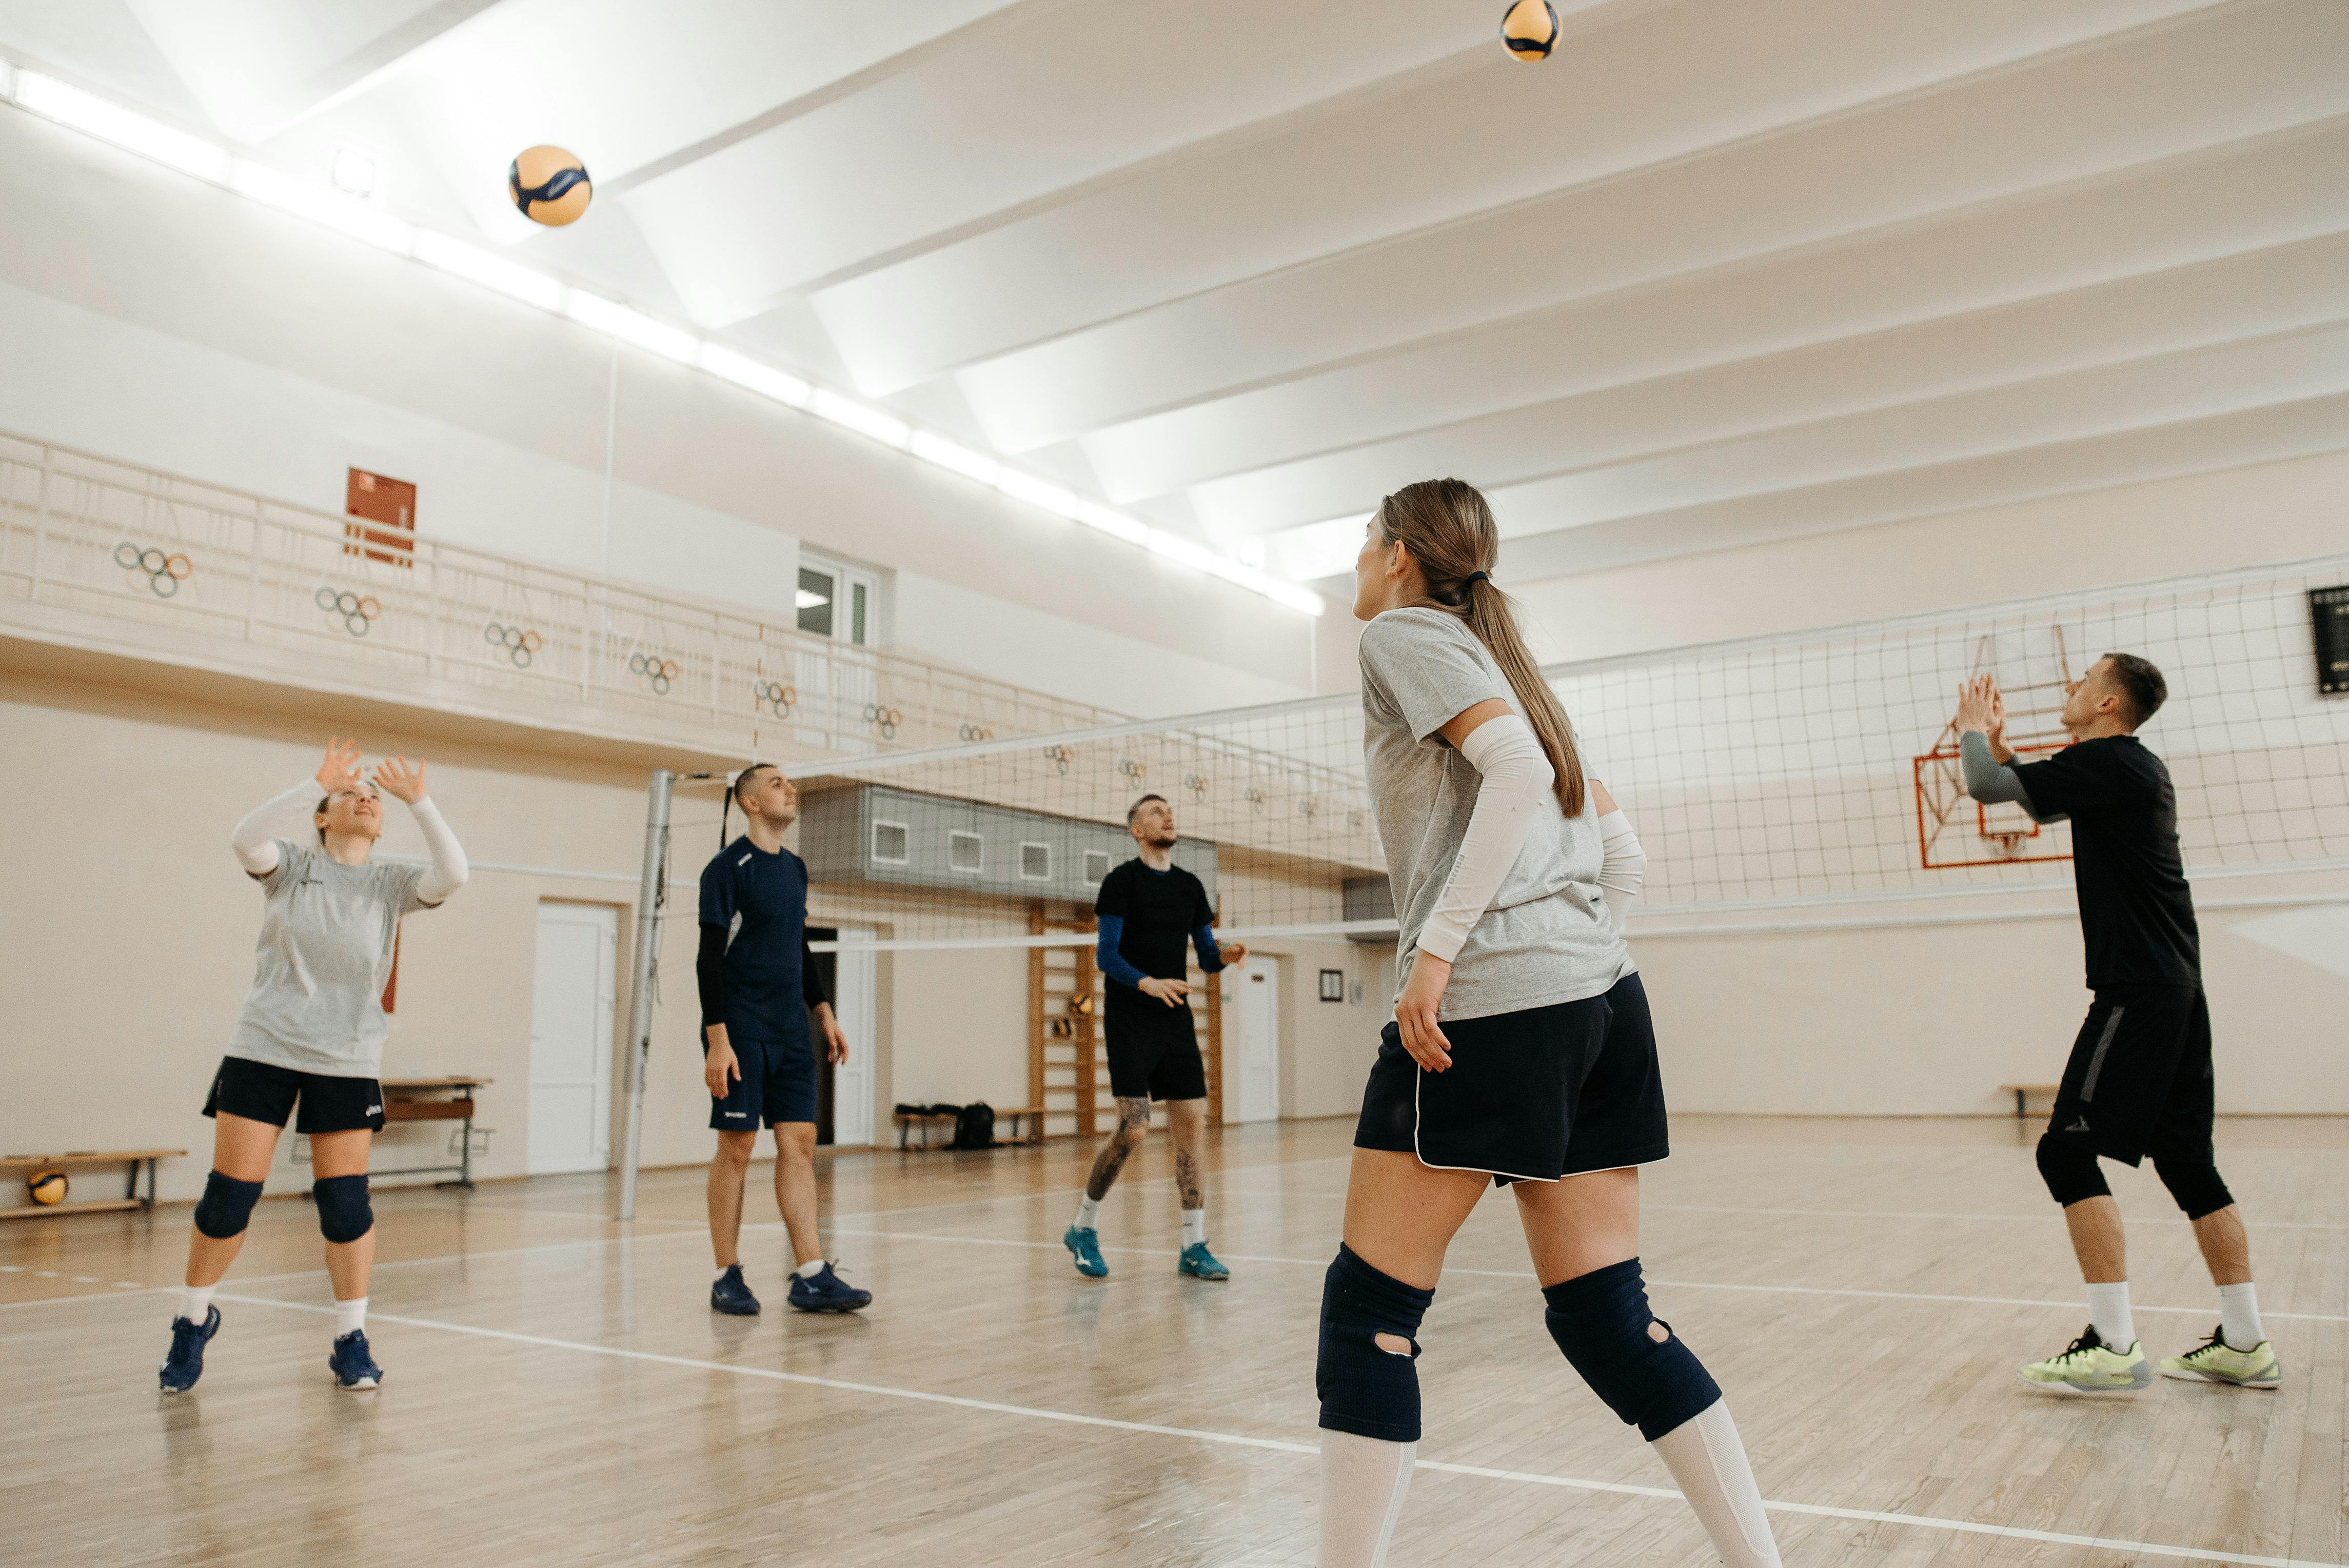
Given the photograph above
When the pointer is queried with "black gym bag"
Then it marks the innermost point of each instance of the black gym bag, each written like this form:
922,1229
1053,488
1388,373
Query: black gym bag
975,1128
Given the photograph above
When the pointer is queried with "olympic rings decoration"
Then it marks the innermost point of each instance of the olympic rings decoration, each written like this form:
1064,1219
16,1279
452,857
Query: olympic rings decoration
165,572
1060,757
974,732
1256,798
359,610
1197,784
886,719
520,643
657,669
775,697
1134,772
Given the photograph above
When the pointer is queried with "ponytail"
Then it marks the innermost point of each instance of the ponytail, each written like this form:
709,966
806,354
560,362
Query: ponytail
1450,530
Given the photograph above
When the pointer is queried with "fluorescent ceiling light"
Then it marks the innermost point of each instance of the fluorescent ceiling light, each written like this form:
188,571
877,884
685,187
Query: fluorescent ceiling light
71,106
1027,487
320,205
480,266
618,321
1319,549
7,79
1093,514
807,599
354,173
860,417
961,459
764,379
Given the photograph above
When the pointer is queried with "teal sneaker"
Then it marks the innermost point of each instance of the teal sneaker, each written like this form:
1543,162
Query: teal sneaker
1086,1247
1201,1263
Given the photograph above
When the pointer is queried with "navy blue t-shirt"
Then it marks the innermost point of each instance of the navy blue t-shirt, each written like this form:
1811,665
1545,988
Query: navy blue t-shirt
762,899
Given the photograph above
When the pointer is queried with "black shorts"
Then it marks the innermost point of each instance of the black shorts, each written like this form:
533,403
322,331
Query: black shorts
778,1083
2139,1080
1153,1052
1532,1096
261,1091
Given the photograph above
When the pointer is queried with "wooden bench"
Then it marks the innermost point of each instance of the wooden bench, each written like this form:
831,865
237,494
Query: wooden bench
448,1098
1032,1116
2023,1093
25,1164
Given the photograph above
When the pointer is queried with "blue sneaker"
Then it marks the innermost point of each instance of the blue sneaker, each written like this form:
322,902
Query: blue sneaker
1201,1263
732,1296
827,1291
186,1362
353,1368
1086,1245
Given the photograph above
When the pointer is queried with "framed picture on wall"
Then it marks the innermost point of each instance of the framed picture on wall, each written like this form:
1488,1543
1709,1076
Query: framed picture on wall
1333,984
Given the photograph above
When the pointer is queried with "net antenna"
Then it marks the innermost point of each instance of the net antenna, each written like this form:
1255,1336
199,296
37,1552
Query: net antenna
1953,829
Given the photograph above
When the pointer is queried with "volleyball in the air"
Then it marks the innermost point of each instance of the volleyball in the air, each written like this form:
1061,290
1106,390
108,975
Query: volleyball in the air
1530,29
48,1186
549,185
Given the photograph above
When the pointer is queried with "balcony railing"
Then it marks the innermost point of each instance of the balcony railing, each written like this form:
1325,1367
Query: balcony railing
250,583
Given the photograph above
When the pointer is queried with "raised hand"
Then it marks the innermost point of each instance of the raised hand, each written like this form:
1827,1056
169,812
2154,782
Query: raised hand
394,777
340,770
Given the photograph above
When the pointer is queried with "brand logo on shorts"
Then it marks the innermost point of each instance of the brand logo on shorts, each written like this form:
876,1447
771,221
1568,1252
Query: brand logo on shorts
737,1115
2079,1125
372,1110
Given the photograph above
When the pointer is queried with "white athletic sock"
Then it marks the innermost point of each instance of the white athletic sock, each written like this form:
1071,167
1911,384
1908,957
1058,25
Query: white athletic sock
1362,1484
1705,1457
724,1271
2239,1316
1195,1227
350,1317
2108,1312
809,1269
195,1302
1087,1211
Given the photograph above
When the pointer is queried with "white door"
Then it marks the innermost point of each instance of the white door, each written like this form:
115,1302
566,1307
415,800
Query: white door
854,979
1252,1015
570,1037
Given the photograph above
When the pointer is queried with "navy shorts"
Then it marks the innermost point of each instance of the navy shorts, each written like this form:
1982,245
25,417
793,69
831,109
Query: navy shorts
1532,1096
778,1084
1154,1051
264,1091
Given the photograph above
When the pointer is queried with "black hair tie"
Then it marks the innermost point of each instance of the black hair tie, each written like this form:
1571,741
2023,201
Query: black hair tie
1476,577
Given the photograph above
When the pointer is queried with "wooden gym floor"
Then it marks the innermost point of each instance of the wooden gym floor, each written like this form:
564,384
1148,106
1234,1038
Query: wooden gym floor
559,1393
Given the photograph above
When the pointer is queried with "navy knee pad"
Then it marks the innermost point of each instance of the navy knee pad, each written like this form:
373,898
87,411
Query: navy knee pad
2193,1180
1366,1389
226,1206
344,1212
1600,1320
2070,1171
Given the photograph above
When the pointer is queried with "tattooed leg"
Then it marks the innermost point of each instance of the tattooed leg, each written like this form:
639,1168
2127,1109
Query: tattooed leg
1132,1121
1186,1124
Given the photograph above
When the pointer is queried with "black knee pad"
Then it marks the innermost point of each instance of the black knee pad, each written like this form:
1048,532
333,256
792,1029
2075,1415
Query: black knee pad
2193,1180
226,1206
2070,1171
1365,1389
1600,1320
344,1212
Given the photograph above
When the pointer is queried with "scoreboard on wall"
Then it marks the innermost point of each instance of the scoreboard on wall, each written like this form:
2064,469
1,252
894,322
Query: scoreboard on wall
2328,616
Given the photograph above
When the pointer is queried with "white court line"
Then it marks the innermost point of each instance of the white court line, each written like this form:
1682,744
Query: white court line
1672,1284
1276,1445
1846,1213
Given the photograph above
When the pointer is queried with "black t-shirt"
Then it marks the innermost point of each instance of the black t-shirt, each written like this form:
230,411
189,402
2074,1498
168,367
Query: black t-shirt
767,894
1161,910
2137,914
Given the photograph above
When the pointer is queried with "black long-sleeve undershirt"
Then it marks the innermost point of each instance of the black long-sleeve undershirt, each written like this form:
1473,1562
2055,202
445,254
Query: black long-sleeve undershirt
710,975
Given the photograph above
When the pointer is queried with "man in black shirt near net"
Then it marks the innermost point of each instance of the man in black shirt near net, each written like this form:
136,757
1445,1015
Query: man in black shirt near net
2139,1081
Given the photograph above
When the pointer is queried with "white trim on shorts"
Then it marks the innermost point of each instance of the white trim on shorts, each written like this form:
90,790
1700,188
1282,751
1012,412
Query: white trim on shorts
1486,1170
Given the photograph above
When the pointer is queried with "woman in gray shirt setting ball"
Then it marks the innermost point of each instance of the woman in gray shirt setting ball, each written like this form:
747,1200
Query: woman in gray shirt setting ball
1520,1054
312,1031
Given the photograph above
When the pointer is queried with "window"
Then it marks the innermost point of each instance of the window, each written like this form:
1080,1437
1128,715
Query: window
966,851
1035,862
889,842
1096,867
837,601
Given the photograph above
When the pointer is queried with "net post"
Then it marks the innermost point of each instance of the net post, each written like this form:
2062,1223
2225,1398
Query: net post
651,894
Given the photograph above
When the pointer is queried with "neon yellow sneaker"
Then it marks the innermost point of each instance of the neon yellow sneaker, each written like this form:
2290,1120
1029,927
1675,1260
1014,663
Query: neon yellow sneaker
2089,1367
2215,1361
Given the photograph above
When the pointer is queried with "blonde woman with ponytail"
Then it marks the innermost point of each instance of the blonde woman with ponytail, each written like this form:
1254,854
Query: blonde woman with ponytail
1521,1053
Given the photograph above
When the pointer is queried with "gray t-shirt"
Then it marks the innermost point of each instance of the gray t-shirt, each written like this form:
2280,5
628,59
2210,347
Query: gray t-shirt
1544,938
324,955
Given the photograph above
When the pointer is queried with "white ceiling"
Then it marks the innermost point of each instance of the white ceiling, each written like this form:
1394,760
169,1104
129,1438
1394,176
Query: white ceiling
1718,271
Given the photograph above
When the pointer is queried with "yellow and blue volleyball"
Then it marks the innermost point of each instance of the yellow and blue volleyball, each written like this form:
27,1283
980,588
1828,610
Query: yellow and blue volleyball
48,1186
549,185
1530,29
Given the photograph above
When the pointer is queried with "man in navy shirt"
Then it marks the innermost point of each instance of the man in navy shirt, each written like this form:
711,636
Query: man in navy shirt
1147,910
2139,1081
757,983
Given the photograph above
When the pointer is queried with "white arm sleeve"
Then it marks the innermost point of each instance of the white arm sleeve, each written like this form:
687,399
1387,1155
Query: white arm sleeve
1517,774
448,869
256,845
1623,871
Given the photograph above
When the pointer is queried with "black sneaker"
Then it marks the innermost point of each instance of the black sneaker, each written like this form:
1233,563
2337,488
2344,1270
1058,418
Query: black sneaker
827,1291
353,1368
185,1363
732,1296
